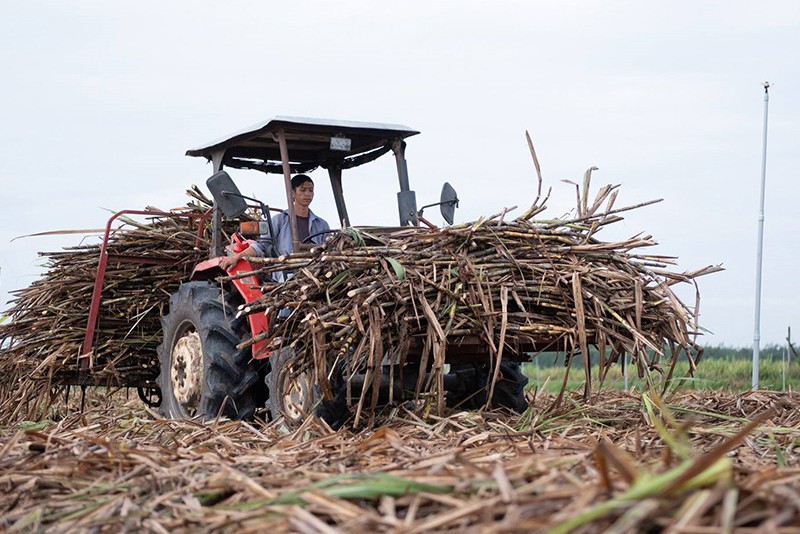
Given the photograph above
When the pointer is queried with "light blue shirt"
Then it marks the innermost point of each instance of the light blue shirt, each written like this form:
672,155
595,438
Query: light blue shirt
283,234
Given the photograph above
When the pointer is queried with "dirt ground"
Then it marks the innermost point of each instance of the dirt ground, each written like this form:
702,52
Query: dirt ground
701,462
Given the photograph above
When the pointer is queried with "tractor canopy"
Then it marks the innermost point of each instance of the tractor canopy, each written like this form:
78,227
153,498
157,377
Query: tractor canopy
310,143
290,145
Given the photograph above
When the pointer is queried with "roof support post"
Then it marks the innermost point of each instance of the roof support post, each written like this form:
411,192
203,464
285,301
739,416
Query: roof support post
287,181
216,215
216,233
406,199
335,174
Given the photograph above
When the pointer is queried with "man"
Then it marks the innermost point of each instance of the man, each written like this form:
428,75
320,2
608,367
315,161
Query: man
308,225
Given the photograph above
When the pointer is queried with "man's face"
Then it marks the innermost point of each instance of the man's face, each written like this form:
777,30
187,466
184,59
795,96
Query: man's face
304,194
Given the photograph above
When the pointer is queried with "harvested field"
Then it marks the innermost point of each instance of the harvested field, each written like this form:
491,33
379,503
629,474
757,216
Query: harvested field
702,463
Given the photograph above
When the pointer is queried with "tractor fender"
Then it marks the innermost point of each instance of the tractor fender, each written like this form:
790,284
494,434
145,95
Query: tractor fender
207,270
250,290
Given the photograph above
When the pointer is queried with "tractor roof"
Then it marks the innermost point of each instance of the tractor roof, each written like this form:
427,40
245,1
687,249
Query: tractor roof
308,140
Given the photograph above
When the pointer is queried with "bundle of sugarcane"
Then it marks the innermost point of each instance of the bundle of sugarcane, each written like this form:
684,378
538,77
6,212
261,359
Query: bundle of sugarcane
147,261
522,286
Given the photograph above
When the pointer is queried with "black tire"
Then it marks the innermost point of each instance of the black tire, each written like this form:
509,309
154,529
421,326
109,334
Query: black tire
201,324
292,396
509,390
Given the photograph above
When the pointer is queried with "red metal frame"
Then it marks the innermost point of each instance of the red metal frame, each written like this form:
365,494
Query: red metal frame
94,307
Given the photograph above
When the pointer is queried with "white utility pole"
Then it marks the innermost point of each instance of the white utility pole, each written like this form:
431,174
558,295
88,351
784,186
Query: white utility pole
757,331
786,354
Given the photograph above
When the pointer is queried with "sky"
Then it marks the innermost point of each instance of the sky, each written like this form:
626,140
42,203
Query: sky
100,100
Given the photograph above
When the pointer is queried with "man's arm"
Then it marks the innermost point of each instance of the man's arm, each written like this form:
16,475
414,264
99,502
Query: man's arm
228,262
319,225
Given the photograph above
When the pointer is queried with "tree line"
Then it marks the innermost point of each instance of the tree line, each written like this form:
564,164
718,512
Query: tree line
718,352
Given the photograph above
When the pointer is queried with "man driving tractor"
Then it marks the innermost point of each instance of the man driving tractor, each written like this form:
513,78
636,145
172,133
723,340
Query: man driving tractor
309,226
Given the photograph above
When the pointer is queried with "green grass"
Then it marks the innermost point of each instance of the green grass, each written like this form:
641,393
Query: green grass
733,375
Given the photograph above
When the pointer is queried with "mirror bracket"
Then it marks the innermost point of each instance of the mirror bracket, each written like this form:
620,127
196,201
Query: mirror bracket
448,202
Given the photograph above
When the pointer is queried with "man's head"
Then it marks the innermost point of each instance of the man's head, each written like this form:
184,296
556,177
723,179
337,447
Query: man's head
300,179
303,190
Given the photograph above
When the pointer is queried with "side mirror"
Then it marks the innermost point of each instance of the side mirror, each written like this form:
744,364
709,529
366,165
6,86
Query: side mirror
448,202
226,194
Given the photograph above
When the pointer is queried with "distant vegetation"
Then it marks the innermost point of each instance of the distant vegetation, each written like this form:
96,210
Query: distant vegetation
721,369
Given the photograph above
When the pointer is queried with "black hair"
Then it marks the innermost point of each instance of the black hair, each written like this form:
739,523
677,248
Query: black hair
300,179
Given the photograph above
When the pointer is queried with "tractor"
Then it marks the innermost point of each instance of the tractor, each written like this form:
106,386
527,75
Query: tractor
202,372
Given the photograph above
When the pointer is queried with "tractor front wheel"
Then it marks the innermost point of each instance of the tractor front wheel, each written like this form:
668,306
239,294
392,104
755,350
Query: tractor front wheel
293,393
203,374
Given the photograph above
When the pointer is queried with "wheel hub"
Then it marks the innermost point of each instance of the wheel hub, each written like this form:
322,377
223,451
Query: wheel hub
296,393
186,371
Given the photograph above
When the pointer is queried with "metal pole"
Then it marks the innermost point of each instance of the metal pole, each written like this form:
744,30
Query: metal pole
786,354
757,331
287,182
216,249
406,199
783,367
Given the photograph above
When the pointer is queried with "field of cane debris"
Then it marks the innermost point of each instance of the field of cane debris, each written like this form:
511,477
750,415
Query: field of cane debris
701,462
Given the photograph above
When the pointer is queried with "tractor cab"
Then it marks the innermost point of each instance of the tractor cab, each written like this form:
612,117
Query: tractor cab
290,145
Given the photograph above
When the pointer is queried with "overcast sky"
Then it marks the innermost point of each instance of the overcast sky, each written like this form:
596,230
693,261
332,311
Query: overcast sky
100,100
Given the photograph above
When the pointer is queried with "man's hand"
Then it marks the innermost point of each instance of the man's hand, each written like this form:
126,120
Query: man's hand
228,262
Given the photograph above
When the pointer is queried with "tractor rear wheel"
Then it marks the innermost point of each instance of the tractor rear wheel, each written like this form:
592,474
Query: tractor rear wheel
203,374
509,390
